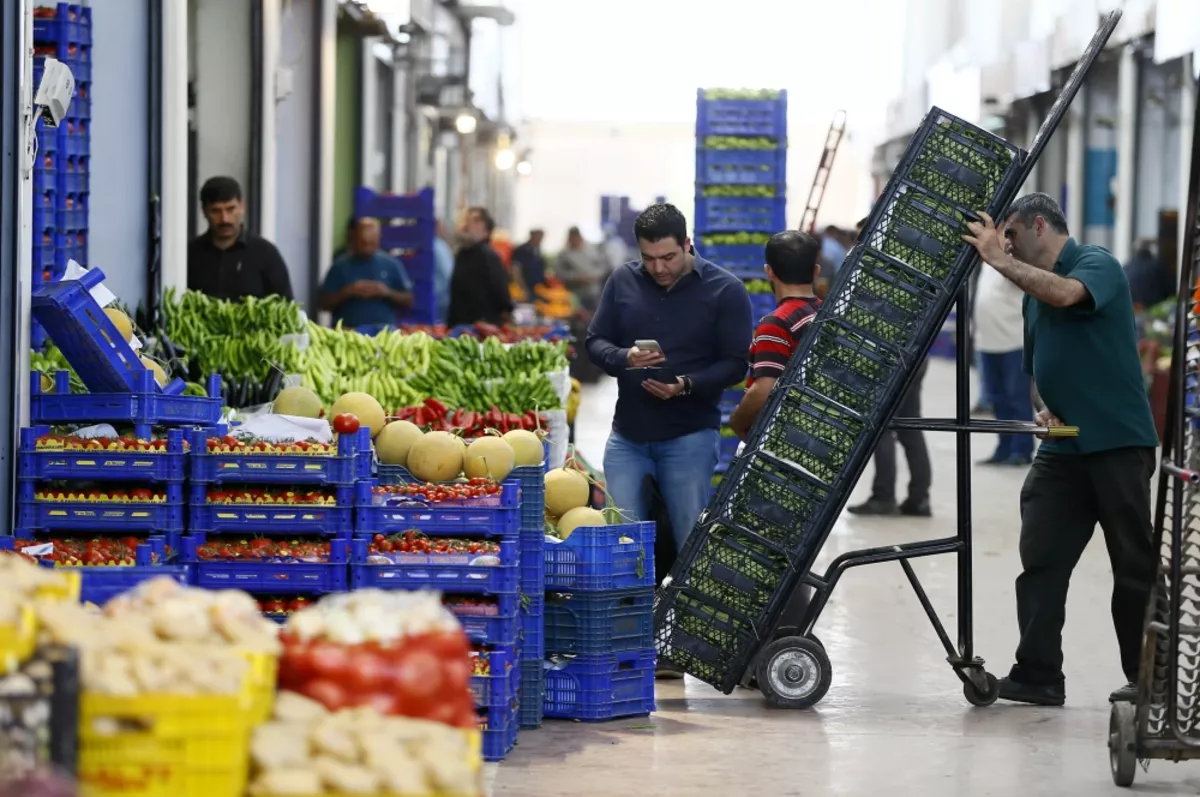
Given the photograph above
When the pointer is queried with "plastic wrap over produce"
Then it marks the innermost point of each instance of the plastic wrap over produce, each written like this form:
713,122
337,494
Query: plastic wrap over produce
556,421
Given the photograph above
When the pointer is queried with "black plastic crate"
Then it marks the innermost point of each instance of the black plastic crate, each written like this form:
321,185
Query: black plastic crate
781,505
958,161
812,432
845,366
705,640
884,298
730,568
920,230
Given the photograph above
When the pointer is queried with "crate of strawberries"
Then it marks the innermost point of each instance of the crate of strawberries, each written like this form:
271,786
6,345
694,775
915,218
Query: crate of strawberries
412,560
48,455
261,509
478,506
266,564
220,457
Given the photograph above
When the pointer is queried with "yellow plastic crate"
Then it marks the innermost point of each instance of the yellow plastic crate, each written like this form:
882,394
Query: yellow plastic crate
191,746
263,672
70,589
18,640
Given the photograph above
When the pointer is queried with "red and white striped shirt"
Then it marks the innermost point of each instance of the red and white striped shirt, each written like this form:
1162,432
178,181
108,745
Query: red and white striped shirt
776,335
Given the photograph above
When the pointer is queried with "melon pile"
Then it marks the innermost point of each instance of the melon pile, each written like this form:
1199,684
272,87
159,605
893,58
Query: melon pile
441,456
567,493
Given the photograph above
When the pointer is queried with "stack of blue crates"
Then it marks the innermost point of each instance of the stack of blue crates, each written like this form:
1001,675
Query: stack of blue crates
599,623
741,187
483,593
533,585
60,178
408,227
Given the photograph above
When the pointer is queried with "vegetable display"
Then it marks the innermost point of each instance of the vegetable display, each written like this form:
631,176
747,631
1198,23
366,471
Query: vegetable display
70,442
740,142
507,333
751,191
735,239
391,549
70,492
83,552
432,415
741,94
233,445
428,492
268,496
265,550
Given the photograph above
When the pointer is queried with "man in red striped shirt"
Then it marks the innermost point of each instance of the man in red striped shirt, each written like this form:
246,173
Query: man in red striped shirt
792,269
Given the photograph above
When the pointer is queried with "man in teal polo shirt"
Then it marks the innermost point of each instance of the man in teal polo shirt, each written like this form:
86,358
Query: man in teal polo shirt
1081,348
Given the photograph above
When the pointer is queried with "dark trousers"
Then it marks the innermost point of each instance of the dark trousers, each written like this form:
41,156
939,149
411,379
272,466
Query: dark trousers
1063,499
915,452
1007,387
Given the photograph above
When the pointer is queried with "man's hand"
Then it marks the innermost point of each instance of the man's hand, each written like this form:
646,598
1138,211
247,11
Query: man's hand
1047,418
363,289
662,389
640,358
988,239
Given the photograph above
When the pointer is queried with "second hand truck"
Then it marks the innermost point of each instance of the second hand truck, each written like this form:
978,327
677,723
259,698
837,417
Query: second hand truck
1164,722
720,612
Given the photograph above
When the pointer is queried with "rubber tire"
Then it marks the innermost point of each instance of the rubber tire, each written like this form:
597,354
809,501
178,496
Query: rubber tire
1122,743
985,698
812,663
752,682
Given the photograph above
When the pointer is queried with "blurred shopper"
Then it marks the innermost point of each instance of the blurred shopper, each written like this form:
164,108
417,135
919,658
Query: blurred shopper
530,263
667,417
791,268
999,338
582,269
1150,281
227,261
443,269
479,285
1081,347
366,287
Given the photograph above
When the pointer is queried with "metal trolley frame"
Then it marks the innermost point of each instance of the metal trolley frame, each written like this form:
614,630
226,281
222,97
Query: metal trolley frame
1164,722
791,667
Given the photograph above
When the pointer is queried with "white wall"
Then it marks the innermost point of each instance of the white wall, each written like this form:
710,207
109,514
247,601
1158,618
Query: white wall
295,143
575,163
119,209
220,44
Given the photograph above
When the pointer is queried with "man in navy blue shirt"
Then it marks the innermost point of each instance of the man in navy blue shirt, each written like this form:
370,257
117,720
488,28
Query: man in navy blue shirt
667,418
365,287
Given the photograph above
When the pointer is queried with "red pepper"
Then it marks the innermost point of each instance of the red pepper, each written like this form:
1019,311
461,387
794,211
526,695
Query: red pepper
436,408
457,418
503,424
407,413
514,420
419,416
530,421
468,420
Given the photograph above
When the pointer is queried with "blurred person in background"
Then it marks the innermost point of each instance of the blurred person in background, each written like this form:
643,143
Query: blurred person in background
530,264
479,284
366,287
1150,281
667,417
227,261
582,268
443,269
1000,339
792,269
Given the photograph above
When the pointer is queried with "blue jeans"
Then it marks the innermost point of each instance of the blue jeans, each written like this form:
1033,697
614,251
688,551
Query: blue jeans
1010,390
682,467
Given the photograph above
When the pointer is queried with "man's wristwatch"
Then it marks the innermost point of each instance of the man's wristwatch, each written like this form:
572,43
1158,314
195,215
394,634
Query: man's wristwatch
687,386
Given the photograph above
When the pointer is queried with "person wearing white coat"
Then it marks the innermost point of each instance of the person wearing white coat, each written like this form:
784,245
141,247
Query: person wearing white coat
999,339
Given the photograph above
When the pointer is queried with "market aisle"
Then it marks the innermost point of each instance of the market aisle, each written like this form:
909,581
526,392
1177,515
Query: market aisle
894,721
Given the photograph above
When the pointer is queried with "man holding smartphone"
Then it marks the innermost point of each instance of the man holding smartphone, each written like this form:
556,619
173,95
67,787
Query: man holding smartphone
674,329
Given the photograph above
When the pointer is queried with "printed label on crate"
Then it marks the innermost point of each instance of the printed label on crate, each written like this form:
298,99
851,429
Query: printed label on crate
252,465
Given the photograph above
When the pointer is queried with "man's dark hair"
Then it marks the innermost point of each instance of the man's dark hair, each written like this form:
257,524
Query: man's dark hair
534,233
574,232
660,221
489,223
792,256
1030,206
220,189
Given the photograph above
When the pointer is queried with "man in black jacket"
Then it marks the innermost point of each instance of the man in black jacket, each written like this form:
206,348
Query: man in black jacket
479,285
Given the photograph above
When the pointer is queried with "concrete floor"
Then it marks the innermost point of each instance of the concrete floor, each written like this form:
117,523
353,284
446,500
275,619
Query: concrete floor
894,720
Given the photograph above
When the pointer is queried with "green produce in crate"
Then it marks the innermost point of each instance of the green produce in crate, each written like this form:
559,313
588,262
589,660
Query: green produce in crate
192,316
758,286
961,164
741,142
794,502
50,362
735,571
813,434
725,632
761,191
735,239
940,226
886,301
741,94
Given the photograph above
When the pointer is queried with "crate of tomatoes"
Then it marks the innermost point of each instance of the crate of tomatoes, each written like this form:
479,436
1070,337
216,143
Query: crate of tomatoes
488,619
412,560
223,458
399,502
45,455
495,676
266,564
100,506
271,509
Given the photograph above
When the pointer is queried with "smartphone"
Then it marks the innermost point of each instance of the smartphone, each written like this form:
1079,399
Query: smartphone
648,345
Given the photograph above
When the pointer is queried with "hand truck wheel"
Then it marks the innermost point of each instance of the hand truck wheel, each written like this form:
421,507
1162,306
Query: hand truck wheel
793,672
1122,743
751,679
985,697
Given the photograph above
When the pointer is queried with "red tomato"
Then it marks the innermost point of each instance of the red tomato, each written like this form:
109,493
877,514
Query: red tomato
367,671
325,692
418,675
330,660
274,606
447,644
456,674
346,423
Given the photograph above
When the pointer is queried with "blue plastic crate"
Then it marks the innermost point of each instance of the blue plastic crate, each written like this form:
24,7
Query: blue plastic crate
533,496
499,630
62,23
368,202
499,727
597,688
498,690
351,463
307,578
593,558
415,233
730,398
37,335
533,630
589,623
329,519
72,184
761,304
143,408
43,257
372,516
98,464
81,516
88,339
741,117
532,693
457,574
533,562
740,214
74,138
742,167
729,447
